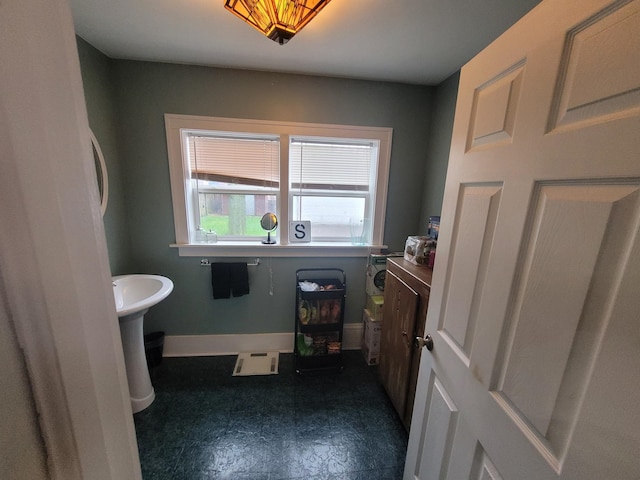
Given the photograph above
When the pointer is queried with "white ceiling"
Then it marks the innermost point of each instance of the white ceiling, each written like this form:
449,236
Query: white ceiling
409,41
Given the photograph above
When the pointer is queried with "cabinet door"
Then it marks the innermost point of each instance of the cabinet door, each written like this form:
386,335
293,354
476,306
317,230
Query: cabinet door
421,315
398,323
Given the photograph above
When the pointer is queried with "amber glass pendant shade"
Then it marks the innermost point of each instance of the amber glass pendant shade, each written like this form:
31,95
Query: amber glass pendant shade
277,19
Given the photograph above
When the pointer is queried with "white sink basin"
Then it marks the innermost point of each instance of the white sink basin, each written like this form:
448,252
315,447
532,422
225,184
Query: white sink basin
134,293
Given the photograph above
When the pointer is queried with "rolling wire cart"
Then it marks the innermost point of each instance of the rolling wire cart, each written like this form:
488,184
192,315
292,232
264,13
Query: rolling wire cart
320,301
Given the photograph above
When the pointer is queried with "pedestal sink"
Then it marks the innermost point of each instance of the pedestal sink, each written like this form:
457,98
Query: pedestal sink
134,295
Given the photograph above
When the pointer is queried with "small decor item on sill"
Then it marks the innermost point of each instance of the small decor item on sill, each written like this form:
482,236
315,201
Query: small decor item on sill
359,229
211,236
300,231
200,235
269,222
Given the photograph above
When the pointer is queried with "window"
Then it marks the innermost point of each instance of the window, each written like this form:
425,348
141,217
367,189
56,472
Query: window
330,185
226,173
234,181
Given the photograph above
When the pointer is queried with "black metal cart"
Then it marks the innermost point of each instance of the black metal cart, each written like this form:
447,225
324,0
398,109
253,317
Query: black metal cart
320,301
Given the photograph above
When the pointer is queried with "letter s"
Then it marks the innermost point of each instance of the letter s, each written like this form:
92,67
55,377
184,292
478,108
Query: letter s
300,231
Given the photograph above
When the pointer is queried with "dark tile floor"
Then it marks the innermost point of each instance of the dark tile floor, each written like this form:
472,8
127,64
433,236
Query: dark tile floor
207,424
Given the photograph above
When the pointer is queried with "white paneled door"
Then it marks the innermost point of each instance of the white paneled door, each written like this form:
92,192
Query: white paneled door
535,303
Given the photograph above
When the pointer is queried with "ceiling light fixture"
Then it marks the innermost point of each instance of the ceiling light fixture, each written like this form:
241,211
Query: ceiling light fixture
277,19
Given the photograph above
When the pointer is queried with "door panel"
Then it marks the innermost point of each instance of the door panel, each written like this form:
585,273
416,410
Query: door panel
569,223
534,303
484,469
608,39
438,434
495,104
474,228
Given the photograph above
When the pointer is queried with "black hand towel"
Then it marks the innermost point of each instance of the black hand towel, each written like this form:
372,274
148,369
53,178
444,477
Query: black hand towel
239,279
220,280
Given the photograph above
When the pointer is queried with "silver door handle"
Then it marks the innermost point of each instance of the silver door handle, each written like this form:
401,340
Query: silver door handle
427,341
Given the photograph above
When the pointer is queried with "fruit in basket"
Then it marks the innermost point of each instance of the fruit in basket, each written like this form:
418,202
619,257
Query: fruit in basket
335,311
304,312
325,311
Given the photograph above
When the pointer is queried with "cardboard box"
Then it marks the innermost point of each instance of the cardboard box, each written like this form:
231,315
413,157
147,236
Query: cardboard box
370,342
374,306
372,358
371,331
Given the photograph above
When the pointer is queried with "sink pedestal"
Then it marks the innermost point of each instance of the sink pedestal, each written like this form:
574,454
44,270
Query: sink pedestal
133,295
140,388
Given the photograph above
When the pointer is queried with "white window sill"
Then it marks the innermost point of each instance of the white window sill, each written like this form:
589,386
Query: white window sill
250,249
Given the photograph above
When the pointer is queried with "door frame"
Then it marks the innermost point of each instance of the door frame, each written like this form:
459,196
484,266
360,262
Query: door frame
53,254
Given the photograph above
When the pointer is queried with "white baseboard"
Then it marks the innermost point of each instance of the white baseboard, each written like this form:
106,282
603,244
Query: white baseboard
211,345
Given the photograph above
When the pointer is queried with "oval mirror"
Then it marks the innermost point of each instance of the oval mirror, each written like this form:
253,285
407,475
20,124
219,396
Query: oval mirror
101,172
269,222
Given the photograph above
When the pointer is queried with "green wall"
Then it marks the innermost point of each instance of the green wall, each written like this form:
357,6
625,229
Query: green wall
142,92
101,110
444,107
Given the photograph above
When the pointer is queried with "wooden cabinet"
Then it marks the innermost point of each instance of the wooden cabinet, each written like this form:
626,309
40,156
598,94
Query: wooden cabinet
406,299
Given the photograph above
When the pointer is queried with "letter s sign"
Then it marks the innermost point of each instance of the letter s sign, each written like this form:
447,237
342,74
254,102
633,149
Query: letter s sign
300,231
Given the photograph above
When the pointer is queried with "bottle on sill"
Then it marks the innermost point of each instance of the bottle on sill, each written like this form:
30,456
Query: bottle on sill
211,236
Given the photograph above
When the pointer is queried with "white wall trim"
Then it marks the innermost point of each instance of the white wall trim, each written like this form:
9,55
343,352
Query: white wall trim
351,336
212,345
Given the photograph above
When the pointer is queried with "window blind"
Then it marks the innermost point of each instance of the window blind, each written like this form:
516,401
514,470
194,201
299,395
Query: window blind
330,166
238,160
